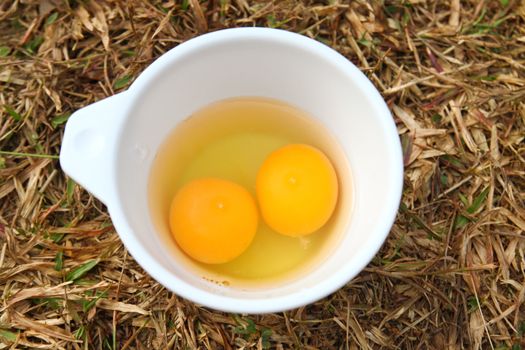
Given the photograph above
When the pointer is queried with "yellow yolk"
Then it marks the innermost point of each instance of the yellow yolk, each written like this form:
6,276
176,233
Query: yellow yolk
213,220
297,190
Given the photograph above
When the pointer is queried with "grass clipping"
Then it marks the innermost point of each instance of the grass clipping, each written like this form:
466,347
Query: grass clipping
451,274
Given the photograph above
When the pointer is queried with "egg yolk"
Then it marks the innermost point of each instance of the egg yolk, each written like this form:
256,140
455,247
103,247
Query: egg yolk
213,220
297,190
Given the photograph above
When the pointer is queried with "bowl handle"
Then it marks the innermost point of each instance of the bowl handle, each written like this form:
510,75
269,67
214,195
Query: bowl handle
89,146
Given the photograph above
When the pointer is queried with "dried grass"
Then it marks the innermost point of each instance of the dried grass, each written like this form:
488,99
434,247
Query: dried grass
452,272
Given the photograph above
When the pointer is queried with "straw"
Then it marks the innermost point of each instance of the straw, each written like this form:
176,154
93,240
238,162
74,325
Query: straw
451,274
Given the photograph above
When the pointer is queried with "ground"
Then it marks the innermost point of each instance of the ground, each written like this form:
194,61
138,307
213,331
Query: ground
451,274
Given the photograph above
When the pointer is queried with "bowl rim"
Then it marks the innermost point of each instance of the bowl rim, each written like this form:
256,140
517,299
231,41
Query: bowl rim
331,283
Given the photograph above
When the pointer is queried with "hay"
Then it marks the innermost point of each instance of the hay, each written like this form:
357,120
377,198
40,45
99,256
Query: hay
452,272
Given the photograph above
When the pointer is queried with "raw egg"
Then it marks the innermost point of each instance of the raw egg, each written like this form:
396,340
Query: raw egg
213,220
297,189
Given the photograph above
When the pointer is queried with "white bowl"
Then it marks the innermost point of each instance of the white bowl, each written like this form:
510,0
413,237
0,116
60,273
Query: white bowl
109,146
